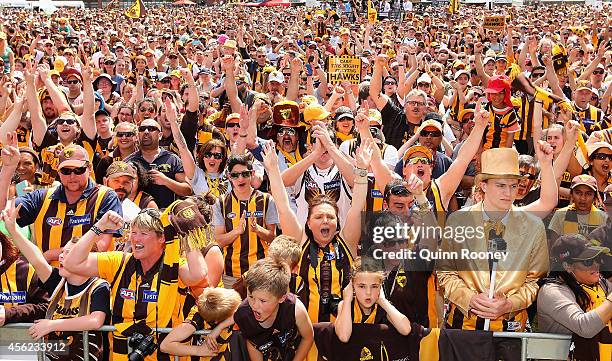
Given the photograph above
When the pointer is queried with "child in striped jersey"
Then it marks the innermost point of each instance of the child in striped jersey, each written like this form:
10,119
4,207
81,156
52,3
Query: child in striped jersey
363,302
214,305
283,249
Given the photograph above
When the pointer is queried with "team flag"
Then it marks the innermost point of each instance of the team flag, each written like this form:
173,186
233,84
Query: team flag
136,11
372,13
453,6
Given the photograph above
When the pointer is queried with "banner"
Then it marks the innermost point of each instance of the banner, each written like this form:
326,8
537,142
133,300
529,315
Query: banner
344,68
494,22
136,11
372,13
453,6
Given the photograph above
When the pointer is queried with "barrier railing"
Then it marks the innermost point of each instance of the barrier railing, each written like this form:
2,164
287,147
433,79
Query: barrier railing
544,346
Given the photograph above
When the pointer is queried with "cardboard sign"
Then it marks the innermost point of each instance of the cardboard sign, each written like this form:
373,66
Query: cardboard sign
494,22
344,68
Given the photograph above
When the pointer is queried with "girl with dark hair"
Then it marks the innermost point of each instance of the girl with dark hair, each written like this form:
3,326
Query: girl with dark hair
142,199
576,300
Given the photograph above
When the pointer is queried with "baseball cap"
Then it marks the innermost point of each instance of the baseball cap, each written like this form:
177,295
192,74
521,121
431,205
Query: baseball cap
314,112
230,44
72,72
344,112
73,156
593,147
584,180
497,84
276,76
576,247
120,168
424,78
460,72
431,123
375,118
586,85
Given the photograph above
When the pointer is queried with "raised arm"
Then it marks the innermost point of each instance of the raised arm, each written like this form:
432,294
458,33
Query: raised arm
39,125
57,96
293,173
88,120
345,166
376,83
11,123
10,160
189,165
228,66
294,79
31,252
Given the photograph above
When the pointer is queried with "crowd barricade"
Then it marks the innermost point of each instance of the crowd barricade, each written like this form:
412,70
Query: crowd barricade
537,346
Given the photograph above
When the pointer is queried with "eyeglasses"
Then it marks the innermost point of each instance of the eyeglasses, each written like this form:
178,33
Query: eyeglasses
602,156
217,156
150,128
417,160
147,110
431,133
529,176
69,121
232,125
286,131
73,81
415,103
69,171
390,83
125,134
243,174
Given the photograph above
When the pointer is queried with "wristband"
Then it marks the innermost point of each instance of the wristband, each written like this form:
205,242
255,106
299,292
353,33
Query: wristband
360,172
96,230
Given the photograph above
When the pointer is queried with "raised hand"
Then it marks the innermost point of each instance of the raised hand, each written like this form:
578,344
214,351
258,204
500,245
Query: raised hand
110,221
270,157
10,151
363,155
544,152
414,184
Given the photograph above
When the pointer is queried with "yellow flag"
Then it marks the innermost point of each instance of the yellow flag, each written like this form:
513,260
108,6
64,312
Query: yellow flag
136,11
372,13
453,6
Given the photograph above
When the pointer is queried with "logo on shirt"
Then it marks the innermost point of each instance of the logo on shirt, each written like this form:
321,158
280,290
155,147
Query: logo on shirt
376,193
164,168
127,294
13,297
231,215
149,296
80,220
365,354
70,213
254,214
54,221
331,186
514,325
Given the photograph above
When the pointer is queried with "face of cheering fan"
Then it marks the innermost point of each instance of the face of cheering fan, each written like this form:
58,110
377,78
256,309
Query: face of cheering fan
323,222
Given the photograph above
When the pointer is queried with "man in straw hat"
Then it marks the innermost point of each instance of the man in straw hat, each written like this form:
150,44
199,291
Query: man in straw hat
494,275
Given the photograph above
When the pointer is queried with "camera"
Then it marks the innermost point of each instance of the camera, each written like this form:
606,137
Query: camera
141,345
330,304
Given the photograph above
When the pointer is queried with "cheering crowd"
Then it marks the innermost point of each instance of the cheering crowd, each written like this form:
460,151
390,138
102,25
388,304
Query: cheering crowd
204,169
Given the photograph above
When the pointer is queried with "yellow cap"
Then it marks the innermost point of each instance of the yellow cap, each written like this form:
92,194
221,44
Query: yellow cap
315,112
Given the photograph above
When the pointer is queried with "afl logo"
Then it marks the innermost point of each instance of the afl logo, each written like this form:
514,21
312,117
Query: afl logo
126,294
231,215
54,221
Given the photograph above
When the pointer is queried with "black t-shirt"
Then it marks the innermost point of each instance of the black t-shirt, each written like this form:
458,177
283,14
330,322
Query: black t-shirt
529,198
170,165
100,296
396,128
189,129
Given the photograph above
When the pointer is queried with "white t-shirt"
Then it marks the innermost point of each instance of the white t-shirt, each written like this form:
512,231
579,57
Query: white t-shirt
390,156
321,181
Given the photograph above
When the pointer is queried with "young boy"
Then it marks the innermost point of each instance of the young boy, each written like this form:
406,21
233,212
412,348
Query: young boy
274,322
214,305
283,249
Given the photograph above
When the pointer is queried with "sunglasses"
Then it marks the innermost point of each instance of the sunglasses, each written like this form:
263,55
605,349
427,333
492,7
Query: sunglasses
151,212
602,156
147,110
390,83
232,125
172,57
537,75
72,81
150,128
109,63
431,133
69,121
436,69
417,160
286,131
239,82
243,174
529,176
590,262
217,156
598,72
125,134
69,171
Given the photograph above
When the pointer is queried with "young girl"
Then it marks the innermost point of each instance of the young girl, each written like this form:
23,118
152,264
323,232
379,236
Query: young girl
363,302
76,304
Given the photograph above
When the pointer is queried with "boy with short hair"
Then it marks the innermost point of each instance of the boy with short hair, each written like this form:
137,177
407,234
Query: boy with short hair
273,321
213,306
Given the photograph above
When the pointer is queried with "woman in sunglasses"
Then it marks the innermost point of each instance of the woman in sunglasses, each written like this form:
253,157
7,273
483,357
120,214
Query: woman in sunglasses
576,300
210,175
600,158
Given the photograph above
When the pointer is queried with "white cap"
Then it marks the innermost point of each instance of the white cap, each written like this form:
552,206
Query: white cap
276,76
424,78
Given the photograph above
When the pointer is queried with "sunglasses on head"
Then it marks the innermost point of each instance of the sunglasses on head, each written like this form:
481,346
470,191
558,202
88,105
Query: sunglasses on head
150,128
286,131
602,156
537,75
417,160
217,156
431,133
398,190
243,174
125,134
69,171
151,212
69,121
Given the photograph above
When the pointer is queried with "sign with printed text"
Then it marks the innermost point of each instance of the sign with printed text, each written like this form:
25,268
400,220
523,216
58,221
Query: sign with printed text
344,68
494,22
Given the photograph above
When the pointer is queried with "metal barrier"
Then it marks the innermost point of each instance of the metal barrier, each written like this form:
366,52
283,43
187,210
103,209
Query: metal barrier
543,346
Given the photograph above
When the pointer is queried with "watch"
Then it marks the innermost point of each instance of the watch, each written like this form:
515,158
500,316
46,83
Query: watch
360,172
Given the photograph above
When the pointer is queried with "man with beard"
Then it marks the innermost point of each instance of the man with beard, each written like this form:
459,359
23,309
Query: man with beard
286,117
581,216
126,135
168,180
120,177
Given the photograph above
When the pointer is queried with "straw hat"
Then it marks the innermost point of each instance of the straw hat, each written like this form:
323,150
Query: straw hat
499,163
